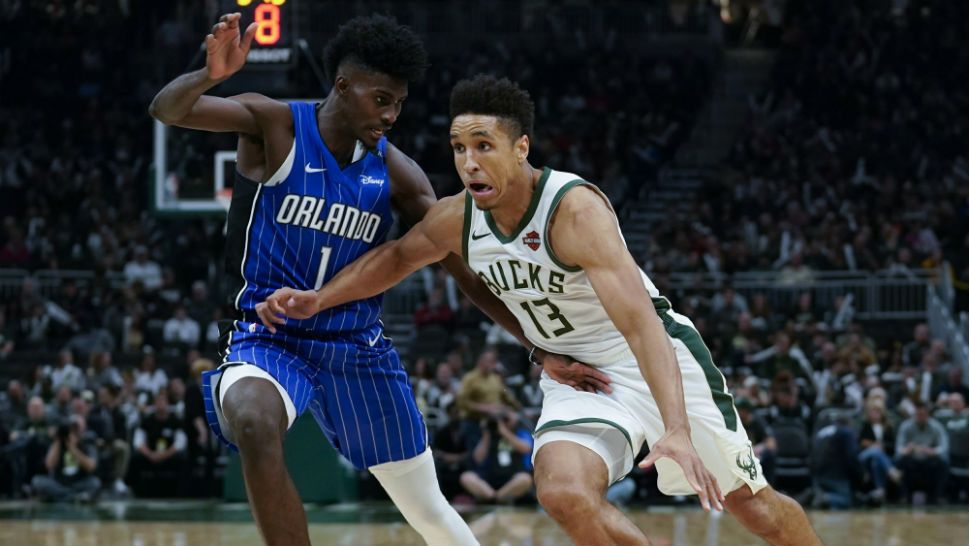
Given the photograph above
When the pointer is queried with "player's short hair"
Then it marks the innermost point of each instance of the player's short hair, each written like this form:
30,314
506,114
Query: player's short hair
487,95
377,43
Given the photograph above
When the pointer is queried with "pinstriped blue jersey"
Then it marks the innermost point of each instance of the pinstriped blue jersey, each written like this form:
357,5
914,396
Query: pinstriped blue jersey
304,224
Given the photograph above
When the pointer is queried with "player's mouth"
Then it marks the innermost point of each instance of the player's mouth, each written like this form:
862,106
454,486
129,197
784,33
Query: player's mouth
480,189
377,133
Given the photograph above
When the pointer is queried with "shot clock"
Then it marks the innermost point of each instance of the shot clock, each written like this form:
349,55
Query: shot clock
274,43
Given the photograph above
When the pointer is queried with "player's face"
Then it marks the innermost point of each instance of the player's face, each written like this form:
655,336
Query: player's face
373,103
486,156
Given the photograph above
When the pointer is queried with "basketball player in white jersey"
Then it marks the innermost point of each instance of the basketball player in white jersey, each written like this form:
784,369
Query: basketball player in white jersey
548,245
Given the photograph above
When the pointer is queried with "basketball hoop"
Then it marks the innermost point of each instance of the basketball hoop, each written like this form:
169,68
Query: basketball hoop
224,197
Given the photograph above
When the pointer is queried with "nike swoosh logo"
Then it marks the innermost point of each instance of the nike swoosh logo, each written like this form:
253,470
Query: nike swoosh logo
476,236
312,170
374,341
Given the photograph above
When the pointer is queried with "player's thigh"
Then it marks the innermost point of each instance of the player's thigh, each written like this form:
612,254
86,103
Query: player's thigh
597,422
261,383
568,473
365,405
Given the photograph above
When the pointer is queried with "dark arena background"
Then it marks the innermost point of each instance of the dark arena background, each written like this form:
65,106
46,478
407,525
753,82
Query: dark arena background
791,174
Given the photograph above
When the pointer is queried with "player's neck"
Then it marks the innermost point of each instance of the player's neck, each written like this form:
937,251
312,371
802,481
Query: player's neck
335,132
516,201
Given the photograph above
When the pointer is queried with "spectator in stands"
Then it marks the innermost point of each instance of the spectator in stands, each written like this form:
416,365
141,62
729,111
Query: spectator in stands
877,440
102,373
953,384
785,402
115,450
144,271
176,397
952,406
443,391
782,356
530,394
181,330
29,443
726,308
159,451
71,463
450,450
483,393
914,350
149,379
469,319
501,460
435,311
60,408
762,438
835,467
13,405
200,307
922,450
66,373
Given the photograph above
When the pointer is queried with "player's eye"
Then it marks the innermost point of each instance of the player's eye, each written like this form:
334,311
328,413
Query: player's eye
381,101
458,148
484,146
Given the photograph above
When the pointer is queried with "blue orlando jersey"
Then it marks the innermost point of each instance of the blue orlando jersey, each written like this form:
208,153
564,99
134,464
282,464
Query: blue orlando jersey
304,224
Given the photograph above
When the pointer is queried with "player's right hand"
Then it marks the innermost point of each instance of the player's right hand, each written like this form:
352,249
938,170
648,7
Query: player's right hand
287,303
677,445
225,50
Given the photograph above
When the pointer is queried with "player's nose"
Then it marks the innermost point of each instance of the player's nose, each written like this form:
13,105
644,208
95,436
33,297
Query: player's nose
389,116
470,166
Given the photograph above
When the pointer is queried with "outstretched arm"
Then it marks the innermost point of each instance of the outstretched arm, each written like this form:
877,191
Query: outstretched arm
585,233
181,102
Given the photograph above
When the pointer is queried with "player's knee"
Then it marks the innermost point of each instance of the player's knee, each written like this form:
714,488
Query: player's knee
754,510
566,502
255,414
251,429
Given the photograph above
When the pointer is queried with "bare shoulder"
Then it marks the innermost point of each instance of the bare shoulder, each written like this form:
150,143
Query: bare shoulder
582,225
580,209
407,176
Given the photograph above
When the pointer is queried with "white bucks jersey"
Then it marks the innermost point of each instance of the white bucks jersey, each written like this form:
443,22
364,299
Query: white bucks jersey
554,303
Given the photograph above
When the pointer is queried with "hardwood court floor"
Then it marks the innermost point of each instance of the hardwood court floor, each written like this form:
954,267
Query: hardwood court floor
209,524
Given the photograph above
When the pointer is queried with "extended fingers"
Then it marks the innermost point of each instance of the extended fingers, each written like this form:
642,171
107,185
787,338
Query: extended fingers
265,316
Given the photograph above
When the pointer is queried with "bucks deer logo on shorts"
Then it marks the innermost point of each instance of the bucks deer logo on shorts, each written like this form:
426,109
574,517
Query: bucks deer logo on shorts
531,240
749,465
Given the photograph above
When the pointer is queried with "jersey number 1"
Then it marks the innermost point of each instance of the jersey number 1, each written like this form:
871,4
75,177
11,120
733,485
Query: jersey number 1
322,272
554,314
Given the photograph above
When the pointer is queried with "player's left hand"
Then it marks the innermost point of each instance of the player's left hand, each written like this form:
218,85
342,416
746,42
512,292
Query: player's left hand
287,303
677,445
577,375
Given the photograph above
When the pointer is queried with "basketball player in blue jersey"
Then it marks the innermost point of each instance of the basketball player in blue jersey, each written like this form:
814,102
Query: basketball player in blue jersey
314,191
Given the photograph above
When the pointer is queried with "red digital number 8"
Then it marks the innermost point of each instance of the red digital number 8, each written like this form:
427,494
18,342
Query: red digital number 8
268,19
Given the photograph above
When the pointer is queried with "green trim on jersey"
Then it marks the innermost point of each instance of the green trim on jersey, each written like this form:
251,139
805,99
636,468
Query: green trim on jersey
689,336
466,228
552,210
526,218
560,423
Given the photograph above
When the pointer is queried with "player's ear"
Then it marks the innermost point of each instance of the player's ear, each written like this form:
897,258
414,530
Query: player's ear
522,148
341,84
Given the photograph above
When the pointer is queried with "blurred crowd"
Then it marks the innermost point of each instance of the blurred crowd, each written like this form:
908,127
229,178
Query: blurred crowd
101,360
853,158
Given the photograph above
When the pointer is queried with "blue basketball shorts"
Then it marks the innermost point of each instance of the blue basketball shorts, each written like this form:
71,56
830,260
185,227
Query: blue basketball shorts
353,383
